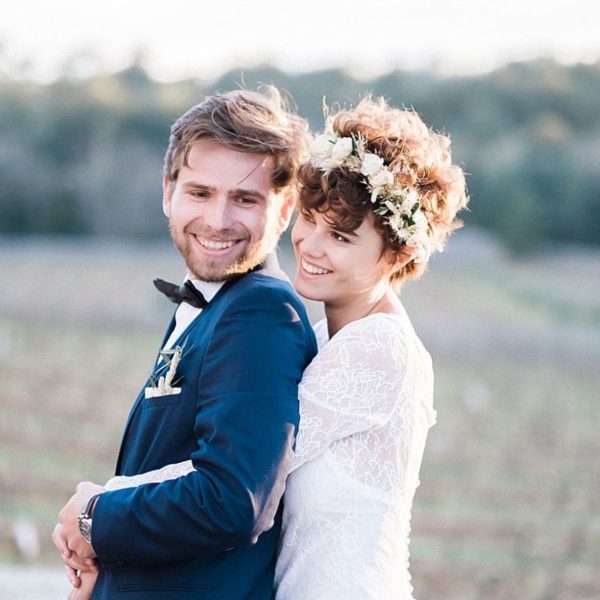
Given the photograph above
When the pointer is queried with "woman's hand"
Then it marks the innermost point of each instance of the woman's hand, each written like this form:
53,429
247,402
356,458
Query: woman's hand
87,581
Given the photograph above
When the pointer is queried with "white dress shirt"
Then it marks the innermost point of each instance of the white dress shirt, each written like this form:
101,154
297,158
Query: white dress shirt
186,313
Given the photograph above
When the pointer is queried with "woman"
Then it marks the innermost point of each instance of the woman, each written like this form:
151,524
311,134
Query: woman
378,196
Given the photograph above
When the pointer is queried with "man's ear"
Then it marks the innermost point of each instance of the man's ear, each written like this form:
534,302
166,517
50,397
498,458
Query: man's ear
288,201
167,197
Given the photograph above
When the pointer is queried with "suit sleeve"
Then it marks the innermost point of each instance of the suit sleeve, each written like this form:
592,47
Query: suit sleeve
246,420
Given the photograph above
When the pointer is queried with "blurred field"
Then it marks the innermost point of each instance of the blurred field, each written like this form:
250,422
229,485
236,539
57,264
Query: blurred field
509,505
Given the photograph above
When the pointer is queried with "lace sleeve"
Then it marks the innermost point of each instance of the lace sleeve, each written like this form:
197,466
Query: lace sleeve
157,476
352,385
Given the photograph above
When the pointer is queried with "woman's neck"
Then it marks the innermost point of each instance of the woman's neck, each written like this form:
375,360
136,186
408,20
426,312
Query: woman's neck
340,314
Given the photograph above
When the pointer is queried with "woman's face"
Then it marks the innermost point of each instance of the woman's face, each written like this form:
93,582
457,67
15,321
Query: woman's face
337,267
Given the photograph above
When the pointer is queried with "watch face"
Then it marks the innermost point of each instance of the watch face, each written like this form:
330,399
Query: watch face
85,528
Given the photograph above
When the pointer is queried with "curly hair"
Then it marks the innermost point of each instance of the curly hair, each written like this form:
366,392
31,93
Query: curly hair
246,121
402,139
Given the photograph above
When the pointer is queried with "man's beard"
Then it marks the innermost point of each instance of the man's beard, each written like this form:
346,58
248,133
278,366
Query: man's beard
207,270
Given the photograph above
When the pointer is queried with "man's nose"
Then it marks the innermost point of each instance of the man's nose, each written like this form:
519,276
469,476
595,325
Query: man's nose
218,215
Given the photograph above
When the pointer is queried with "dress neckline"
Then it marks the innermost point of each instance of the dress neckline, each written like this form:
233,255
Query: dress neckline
322,324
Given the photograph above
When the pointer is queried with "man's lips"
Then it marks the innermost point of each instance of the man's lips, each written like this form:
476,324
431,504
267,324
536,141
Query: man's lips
215,244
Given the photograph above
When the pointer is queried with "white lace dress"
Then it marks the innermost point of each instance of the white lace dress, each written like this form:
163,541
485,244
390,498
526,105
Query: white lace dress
365,410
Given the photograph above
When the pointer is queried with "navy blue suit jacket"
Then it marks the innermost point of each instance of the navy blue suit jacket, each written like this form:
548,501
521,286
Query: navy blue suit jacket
213,533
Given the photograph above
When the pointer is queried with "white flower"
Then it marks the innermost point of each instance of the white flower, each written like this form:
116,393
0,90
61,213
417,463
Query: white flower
393,208
396,222
420,220
328,163
381,178
321,146
371,164
342,149
410,198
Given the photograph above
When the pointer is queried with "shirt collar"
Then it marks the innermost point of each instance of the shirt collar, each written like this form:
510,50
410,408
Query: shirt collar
208,289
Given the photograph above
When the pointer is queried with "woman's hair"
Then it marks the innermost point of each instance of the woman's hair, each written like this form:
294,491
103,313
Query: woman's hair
423,162
246,121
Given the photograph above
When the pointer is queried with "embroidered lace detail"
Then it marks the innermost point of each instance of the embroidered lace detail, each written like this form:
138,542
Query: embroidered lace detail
157,476
365,410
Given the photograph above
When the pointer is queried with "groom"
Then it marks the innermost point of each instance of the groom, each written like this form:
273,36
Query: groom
224,388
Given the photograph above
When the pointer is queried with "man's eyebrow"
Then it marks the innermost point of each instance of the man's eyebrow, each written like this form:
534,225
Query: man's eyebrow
246,192
196,185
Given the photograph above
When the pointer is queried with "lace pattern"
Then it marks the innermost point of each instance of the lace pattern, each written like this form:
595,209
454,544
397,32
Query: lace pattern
365,410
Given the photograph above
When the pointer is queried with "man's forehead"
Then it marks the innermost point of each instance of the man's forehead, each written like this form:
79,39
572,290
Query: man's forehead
210,156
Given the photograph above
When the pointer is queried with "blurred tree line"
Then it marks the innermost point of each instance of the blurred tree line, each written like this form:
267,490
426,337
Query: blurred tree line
83,156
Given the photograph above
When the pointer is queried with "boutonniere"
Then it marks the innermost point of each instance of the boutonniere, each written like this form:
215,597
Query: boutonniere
163,386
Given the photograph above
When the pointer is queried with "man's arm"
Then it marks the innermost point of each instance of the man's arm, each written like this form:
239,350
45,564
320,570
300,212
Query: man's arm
245,426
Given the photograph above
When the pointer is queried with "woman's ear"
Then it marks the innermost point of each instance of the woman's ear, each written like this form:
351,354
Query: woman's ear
398,260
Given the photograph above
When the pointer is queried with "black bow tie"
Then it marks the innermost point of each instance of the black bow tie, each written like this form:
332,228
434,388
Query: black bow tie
186,292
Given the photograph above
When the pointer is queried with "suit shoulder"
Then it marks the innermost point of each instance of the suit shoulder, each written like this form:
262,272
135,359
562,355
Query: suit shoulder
261,297
257,287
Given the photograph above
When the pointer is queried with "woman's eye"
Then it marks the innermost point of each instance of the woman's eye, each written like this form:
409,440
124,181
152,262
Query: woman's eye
307,216
339,238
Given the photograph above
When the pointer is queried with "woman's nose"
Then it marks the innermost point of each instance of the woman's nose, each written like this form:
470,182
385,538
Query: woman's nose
312,243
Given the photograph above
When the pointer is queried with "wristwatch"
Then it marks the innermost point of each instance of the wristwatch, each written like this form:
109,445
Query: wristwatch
85,519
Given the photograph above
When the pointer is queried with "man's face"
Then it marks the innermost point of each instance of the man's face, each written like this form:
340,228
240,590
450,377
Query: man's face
224,215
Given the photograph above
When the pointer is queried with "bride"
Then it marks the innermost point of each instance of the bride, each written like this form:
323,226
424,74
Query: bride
378,196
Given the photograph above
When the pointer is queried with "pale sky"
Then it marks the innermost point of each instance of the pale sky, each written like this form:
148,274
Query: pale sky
201,38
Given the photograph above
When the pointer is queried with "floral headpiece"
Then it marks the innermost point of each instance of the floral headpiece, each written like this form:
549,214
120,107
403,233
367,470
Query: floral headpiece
400,204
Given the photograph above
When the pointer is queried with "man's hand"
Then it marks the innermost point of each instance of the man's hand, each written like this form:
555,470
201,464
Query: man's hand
66,536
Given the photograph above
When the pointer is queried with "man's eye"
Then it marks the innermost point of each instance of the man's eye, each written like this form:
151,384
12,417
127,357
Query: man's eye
200,194
246,201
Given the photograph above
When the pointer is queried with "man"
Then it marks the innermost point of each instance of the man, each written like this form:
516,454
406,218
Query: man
224,389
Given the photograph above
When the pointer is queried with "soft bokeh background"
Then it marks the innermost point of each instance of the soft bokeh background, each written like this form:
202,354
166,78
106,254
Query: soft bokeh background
509,502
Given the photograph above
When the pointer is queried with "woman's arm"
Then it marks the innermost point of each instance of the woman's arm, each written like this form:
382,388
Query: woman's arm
166,473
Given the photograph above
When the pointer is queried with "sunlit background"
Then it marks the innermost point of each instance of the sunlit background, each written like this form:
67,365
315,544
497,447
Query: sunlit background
509,504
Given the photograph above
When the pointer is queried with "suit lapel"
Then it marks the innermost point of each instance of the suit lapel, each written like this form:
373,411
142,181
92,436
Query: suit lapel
269,267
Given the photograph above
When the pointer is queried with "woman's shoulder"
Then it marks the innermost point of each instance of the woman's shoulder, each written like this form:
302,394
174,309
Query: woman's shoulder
387,335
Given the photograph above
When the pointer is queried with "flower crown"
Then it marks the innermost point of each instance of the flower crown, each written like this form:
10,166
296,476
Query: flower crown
400,204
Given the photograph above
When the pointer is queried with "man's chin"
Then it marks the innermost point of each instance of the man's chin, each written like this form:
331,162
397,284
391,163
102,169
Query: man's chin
215,273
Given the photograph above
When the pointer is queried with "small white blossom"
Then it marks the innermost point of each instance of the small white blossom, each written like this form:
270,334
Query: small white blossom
371,164
393,208
407,205
420,220
342,149
381,178
321,146
396,222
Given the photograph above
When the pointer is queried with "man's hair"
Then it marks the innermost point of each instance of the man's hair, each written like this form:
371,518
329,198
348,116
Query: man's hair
399,137
245,121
